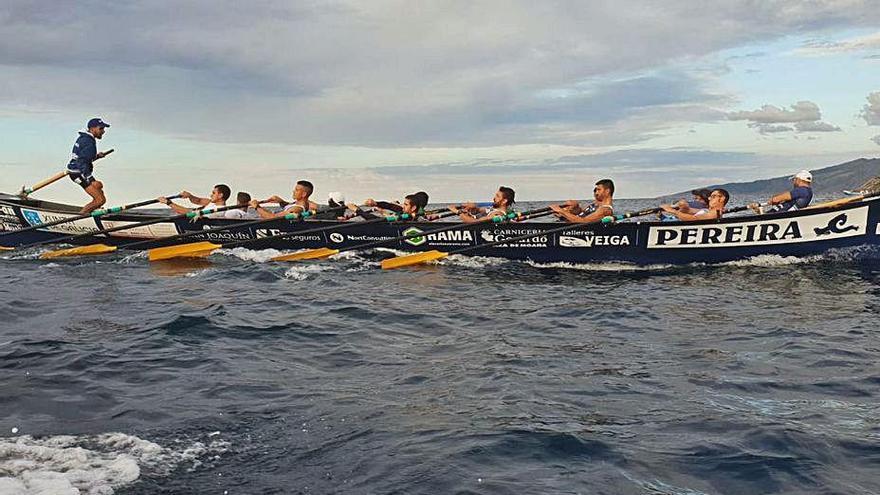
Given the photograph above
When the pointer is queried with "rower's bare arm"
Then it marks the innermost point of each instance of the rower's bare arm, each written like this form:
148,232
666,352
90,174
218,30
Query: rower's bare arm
780,198
596,216
178,209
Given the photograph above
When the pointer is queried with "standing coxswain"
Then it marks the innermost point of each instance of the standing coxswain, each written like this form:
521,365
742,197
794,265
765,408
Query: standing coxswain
82,158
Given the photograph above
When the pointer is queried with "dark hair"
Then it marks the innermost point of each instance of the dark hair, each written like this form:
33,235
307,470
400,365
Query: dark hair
724,193
508,194
224,191
421,199
702,194
308,185
243,197
607,184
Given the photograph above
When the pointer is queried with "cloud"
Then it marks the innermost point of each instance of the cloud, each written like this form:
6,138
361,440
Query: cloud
770,128
876,139
824,47
805,115
871,111
802,111
389,72
817,126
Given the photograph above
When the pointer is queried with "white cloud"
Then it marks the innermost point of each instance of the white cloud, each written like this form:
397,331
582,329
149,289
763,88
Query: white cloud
871,111
824,47
876,139
770,128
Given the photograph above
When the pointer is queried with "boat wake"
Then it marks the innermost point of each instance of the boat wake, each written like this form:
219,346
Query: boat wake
94,464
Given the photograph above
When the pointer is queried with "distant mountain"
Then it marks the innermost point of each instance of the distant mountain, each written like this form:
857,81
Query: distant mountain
827,181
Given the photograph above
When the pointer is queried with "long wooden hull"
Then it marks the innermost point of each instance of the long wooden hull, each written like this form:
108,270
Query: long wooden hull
801,233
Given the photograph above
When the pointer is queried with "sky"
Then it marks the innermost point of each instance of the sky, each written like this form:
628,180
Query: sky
382,98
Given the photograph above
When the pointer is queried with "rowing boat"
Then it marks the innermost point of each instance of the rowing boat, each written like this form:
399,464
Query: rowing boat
799,233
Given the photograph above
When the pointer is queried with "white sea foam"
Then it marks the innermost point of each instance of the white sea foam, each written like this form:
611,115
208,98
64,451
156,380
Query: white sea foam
773,260
91,465
611,266
303,271
255,255
473,261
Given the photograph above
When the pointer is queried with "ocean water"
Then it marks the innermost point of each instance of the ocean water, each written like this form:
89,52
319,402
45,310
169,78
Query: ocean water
237,375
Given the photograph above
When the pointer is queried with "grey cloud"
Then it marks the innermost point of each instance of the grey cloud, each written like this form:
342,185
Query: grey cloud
871,111
770,128
876,139
817,126
802,111
387,73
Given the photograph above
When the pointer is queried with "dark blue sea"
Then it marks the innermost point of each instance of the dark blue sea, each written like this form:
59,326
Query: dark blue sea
237,375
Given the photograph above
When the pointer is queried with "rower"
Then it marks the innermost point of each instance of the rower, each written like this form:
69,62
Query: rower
798,198
413,206
699,202
219,194
243,212
603,206
718,199
85,152
300,204
501,204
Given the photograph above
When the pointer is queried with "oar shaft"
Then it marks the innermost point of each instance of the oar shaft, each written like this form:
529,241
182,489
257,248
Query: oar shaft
44,183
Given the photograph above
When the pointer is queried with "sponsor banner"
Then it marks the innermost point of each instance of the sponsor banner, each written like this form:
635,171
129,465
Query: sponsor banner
820,227
586,239
82,226
4,226
369,238
501,234
7,213
146,231
336,237
264,233
224,235
449,238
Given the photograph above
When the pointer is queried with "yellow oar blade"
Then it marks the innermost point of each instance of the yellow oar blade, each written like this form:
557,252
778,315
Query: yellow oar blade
311,254
191,250
4,248
412,259
79,251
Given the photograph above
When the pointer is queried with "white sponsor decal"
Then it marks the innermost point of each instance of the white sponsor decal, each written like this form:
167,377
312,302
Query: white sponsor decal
9,226
502,234
337,237
823,226
35,217
591,240
8,212
146,231
450,237
264,233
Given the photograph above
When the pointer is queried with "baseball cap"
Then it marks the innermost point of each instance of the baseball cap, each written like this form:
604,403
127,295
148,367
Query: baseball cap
804,175
96,122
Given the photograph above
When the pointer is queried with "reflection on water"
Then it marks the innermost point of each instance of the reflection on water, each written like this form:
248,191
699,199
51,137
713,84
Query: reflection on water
179,266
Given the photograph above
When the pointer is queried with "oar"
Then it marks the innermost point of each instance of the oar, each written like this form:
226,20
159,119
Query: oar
204,248
96,213
844,201
325,252
104,248
183,247
198,249
27,190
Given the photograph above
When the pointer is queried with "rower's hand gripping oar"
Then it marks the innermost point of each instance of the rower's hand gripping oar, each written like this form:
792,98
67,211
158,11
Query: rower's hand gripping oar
96,213
325,252
104,248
